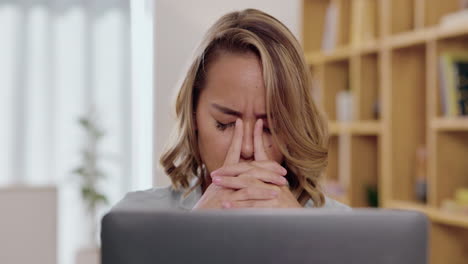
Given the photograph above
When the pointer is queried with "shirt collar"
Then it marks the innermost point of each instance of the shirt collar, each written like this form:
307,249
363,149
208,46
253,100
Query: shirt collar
189,201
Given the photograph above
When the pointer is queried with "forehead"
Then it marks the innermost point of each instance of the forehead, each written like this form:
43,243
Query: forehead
236,80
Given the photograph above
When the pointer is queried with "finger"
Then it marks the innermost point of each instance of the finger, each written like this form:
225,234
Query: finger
270,165
260,153
233,154
272,203
232,182
239,168
245,181
254,193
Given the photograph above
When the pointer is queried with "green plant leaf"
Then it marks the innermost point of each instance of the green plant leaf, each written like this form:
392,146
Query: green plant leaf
79,171
84,122
100,198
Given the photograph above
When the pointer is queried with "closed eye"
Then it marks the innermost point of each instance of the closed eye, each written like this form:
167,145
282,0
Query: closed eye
221,126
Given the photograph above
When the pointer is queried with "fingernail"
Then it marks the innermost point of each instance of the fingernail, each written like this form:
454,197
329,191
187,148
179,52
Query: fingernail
226,205
217,179
283,180
274,193
213,173
284,171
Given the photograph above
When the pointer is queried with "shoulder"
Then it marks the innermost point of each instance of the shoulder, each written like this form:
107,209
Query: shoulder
154,198
329,204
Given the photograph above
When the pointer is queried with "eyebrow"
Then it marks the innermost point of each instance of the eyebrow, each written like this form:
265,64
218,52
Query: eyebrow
230,111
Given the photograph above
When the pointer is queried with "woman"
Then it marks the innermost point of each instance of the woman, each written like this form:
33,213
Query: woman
249,133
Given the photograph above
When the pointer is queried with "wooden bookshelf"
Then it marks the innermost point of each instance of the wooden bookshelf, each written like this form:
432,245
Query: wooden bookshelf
434,214
387,52
357,128
450,124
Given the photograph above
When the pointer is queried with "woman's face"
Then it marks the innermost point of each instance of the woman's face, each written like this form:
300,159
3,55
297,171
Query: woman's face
233,89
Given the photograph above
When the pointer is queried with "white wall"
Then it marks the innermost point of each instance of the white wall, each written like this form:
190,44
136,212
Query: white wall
57,59
179,27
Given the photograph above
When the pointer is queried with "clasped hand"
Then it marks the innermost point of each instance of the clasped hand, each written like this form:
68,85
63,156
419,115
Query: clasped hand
257,184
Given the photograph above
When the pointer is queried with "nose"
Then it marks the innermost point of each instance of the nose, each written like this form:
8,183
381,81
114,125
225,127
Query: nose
247,150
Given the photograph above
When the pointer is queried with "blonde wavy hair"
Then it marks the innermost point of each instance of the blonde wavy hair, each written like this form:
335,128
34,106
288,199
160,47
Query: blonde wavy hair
291,112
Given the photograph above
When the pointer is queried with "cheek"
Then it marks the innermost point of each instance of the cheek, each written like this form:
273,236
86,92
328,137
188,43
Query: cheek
213,146
272,149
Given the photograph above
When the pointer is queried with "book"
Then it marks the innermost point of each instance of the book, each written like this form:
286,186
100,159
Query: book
461,83
446,81
330,31
453,71
454,20
344,106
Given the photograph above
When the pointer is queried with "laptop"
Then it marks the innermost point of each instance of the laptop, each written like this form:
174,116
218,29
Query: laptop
264,236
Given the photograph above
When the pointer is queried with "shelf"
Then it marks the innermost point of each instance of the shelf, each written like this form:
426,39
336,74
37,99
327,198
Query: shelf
422,36
356,128
408,39
450,124
313,58
389,58
337,54
450,32
406,205
448,218
401,40
343,53
342,198
368,47
434,214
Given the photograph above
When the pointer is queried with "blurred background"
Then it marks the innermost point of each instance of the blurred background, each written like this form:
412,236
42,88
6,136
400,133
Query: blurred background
86,108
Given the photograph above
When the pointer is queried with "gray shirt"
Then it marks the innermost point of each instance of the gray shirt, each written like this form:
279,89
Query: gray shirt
169,198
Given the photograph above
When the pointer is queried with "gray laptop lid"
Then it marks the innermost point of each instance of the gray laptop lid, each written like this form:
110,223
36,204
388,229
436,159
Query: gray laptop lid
264,236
